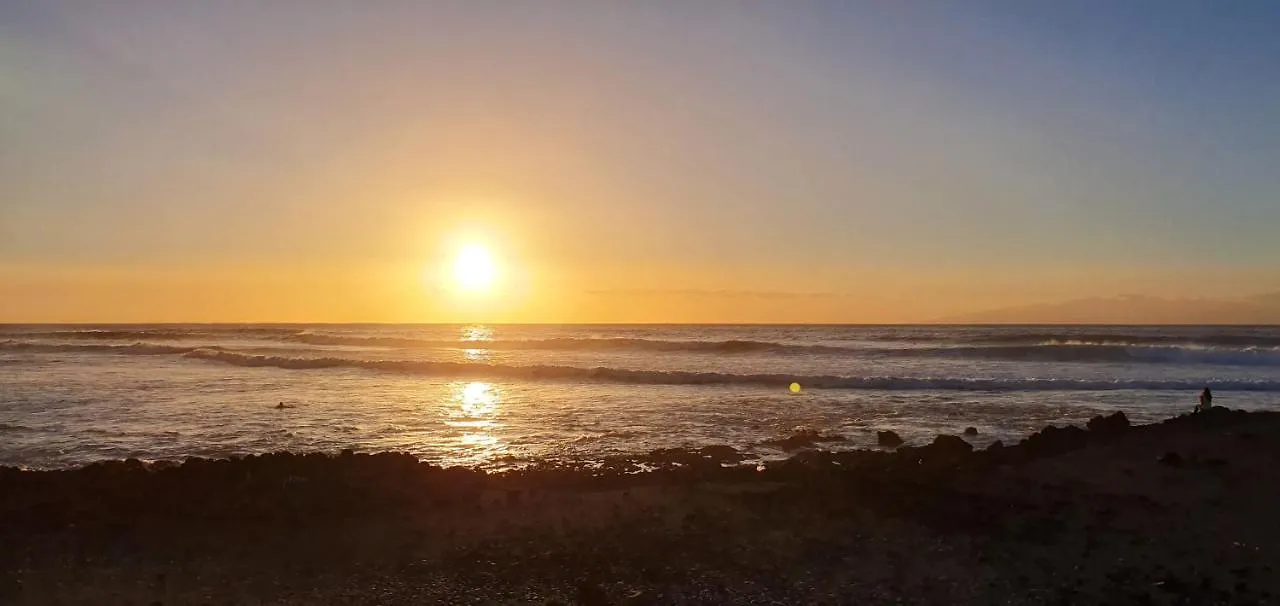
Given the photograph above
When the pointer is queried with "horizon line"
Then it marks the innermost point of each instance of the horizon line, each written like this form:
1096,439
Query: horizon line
779,324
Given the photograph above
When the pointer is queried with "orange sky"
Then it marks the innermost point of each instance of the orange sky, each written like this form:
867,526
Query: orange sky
642,293
626,162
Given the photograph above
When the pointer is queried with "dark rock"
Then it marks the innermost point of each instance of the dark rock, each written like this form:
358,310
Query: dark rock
1172,459
971,431
950,444
1054,440
672,456
812,459
721,454
1110,425
888,438
1217,416
945,450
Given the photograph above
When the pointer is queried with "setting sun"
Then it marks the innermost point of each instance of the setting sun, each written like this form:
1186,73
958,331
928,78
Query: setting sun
474,269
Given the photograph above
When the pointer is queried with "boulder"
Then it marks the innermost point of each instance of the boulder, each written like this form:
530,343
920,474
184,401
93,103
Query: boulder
971,431
1054,440
950,444
945,449
1217,416
1110,425
995,453
888,438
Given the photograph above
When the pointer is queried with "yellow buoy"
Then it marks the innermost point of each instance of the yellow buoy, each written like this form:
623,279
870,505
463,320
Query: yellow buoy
795,388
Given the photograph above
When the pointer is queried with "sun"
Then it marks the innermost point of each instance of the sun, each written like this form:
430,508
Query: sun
474,269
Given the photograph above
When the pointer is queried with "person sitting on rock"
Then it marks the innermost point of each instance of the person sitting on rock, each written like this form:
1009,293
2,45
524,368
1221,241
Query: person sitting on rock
1206,401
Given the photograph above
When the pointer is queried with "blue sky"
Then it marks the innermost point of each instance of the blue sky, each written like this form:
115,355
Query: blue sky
1024,149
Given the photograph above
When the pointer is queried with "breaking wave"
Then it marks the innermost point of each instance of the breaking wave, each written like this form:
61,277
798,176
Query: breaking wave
1126,354
573,344
1045,352
1129,340
1070,344
459,370
137,349
158,333
605,374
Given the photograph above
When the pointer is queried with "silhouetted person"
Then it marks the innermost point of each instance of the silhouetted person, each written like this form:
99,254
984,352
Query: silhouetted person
1206,400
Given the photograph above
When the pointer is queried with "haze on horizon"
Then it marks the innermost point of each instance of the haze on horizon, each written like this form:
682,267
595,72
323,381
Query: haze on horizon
717,161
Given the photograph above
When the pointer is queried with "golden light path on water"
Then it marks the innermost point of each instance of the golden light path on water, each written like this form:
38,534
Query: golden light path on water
74,403
474,411
475,406
473,338
477,333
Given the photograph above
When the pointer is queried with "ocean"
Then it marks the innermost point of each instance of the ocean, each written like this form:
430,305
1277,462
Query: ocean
503,396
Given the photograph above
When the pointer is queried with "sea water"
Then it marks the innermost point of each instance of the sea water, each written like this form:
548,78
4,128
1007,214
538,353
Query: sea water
501,396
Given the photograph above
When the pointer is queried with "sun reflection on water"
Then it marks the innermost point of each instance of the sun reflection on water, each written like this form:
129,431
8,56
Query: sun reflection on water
474,409
477,332
472,340
479,399
482,441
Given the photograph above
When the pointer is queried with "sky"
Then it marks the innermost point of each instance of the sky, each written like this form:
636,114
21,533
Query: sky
718,161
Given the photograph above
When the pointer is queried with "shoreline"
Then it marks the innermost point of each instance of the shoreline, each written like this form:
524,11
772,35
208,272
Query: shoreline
801,446
1178,509
766,449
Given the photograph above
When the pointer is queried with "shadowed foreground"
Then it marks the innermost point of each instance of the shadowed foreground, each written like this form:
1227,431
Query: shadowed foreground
1183,512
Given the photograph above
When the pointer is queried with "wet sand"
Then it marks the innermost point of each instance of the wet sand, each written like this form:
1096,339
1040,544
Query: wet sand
1182,512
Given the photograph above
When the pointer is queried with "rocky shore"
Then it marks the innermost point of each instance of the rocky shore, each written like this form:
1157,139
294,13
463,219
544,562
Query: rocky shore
1182,512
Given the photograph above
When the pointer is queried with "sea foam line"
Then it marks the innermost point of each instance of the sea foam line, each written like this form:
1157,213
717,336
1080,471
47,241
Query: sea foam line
460,370
604,374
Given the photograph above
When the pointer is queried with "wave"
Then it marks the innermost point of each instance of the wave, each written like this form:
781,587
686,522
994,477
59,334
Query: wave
1046,352
459,370
1084,352
1122,339
159,333
470,370
574,344
731,346
142,349
1067,344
